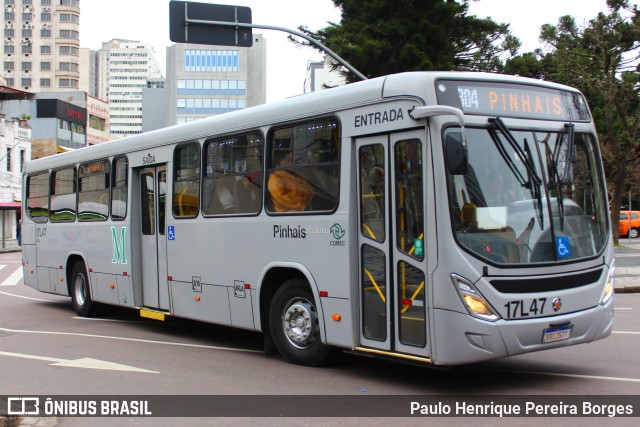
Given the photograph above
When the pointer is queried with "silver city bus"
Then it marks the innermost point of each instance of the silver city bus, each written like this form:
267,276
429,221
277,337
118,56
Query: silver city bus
443,218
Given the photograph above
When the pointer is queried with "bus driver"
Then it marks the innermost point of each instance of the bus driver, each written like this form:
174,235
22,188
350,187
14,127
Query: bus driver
289,191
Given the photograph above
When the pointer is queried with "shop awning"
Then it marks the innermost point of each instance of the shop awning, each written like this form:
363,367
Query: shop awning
10,205
61,149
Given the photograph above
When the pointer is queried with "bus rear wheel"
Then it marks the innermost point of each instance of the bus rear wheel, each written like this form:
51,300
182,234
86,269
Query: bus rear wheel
80,292
293,321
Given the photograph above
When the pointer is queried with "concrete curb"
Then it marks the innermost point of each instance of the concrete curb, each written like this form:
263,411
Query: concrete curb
627,290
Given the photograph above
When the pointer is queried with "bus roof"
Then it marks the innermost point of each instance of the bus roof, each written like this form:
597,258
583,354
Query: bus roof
410,84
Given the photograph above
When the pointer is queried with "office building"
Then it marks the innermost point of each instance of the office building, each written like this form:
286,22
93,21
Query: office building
153,105
321,75
122,68
41,43
204,80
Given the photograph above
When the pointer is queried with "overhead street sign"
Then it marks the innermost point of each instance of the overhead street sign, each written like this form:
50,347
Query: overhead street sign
191,22
226,25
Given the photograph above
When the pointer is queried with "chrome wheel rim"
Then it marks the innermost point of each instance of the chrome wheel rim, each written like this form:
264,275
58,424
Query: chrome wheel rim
300,323
79,289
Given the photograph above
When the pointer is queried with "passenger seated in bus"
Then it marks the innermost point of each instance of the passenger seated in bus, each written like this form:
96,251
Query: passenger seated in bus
289,191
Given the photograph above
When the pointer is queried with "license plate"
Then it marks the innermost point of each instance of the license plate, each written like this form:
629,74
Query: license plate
556,334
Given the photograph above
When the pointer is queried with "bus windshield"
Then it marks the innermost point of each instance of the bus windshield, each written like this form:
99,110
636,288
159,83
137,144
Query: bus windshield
529,196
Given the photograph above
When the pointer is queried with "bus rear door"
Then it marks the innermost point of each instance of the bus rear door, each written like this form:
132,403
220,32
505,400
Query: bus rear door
392,257
153,186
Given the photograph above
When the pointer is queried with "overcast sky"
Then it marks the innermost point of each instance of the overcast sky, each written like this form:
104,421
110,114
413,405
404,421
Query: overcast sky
148,21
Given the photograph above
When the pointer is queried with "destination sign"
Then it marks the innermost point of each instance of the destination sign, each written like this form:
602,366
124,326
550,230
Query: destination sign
512,100
94,168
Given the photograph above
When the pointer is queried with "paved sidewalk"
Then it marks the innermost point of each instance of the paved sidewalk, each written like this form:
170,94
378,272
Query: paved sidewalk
627,266
10,245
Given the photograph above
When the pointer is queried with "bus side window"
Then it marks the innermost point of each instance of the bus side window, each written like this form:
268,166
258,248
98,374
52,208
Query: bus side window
186,181
63,195
119,189
304,167
38,197
232,181
93,191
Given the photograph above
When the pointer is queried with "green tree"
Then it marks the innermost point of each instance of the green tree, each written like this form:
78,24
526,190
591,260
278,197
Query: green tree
602,60
380,37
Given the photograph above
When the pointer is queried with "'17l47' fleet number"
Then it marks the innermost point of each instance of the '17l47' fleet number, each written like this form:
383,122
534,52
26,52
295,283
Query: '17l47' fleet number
518,308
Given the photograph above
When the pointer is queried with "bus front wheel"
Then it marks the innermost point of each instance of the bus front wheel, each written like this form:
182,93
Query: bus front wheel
80,292
294,325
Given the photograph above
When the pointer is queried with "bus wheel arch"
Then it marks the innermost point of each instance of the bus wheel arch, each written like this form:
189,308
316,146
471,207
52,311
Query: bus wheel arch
291,319
79,287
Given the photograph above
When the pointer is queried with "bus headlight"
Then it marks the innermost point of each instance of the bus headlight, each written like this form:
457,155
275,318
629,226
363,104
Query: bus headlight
607,294
475,303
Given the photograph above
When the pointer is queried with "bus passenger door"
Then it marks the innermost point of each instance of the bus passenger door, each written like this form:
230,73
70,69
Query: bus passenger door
391,221
155,288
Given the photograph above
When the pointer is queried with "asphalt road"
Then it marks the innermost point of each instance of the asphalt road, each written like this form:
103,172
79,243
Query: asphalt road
46,350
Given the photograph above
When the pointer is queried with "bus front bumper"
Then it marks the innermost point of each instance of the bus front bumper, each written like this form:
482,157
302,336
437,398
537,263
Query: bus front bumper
477,340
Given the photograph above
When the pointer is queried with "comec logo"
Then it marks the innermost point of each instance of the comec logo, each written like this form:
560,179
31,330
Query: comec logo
337,231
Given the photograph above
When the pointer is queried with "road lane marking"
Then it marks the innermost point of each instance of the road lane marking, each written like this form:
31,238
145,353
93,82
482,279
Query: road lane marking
32,298
625,332
178,344
582,376
111,320
15,278
85,362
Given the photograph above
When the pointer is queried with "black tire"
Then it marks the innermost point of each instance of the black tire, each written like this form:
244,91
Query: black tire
81,300
633,233
294,325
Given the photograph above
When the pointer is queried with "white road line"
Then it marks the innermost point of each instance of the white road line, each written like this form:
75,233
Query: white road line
31,298
110,320
2,266
626,332
13,279
211,347
588,377
85,362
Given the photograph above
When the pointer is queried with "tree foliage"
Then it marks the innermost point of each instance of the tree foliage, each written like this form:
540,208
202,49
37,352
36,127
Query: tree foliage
602,59
380,37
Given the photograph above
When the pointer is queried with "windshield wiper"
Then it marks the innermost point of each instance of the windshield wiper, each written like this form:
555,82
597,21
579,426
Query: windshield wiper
526,161
536,187
558,183
534,181
568,165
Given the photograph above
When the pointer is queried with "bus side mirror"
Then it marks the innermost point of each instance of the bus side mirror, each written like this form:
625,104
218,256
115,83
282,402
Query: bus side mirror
456,154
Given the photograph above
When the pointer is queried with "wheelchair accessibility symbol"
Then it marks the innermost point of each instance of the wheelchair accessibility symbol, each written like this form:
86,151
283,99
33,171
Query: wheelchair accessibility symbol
562,247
